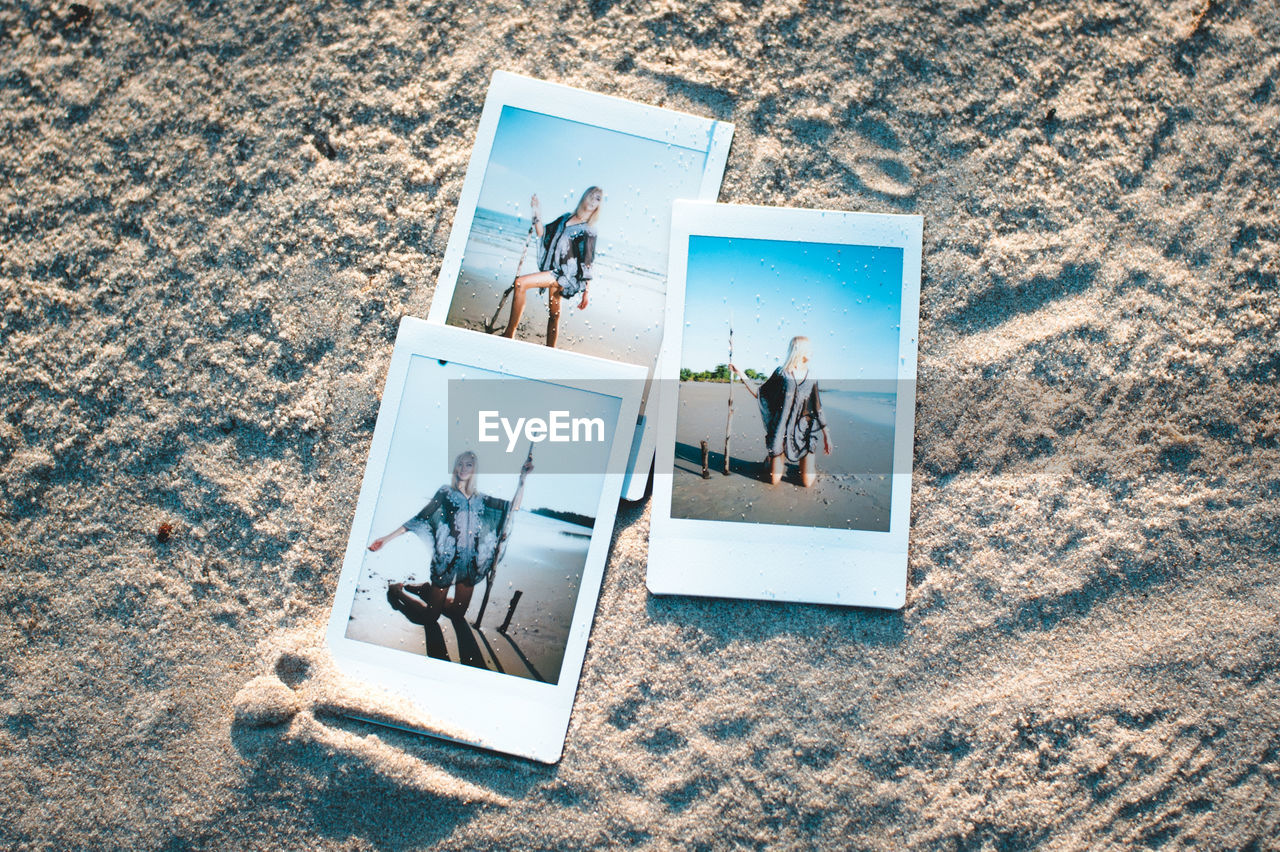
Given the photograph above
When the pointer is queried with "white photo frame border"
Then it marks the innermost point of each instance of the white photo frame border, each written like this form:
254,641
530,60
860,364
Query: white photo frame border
483,703
604,111
725,558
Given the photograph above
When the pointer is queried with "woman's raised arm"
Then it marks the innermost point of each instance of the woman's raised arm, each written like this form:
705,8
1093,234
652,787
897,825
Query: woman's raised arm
524,472
746,383
418,521
377,543
537,215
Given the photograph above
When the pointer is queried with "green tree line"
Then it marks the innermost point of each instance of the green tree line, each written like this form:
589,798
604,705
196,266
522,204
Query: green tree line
719,374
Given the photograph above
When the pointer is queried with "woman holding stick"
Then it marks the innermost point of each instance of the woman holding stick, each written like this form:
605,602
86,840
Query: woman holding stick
566,250
792,412
462,525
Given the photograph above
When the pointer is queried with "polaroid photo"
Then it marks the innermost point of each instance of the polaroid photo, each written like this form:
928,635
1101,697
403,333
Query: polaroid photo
785,428
563,225
480,535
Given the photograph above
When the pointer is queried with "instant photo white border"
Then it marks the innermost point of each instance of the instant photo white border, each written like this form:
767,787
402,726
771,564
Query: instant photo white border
604,111
778,561
496,711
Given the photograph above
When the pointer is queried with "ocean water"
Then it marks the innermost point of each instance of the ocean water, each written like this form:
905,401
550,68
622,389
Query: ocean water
503,235
539,544
878,409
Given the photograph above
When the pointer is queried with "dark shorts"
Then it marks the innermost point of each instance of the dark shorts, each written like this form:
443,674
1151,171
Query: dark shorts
570,287
443,577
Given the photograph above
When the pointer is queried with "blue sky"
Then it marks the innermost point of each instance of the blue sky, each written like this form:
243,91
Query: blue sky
421,457
845,298
558,159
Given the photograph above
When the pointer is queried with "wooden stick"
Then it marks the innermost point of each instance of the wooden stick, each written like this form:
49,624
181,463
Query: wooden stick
492,325
490,574
511,610
504,530
728,423
706,471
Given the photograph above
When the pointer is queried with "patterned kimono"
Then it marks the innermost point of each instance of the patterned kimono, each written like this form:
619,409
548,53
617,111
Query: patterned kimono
463,534
792,414
568,251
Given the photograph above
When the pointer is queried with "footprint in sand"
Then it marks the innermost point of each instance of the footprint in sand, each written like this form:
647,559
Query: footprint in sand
288,707
868,154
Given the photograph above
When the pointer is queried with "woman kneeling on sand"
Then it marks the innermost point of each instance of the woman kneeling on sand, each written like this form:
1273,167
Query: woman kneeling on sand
792,414
463,527
566,250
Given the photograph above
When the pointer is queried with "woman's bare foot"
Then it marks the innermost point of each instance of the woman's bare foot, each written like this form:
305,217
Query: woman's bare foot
808,471
395,595
773,468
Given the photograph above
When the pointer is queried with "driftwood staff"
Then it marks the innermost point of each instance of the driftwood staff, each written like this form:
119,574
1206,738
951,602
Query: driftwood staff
492,325
728,423
511,610
504,530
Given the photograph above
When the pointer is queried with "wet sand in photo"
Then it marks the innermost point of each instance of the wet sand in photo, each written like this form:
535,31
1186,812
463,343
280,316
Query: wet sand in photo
853,486
624,313
544,561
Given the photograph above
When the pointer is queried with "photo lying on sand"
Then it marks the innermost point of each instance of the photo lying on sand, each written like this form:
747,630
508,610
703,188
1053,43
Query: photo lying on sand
788,393
788,370
478,544
563,226
568,242
477,547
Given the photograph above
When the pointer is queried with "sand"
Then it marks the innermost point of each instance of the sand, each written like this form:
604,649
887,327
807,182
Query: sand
215,215
854,481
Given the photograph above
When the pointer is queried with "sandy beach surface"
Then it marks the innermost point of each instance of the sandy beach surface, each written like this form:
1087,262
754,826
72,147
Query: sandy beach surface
214,215
854,483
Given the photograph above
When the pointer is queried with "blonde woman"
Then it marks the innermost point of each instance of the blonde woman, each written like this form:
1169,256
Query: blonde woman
792,412
462,526
566,250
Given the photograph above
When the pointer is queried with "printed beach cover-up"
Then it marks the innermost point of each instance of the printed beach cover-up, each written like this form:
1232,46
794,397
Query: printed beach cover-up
463,533
792,414
568,251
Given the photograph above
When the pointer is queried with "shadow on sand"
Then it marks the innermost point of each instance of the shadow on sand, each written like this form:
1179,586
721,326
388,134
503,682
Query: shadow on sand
689,460
469,650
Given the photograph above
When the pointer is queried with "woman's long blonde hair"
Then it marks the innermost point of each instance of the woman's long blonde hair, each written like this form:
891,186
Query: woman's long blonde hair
595,214
797,354
469,487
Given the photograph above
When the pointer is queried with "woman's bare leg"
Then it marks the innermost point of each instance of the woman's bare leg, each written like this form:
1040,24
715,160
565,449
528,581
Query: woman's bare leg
553,320
522,286
776,467
456,607
808,471
412,608
436,601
